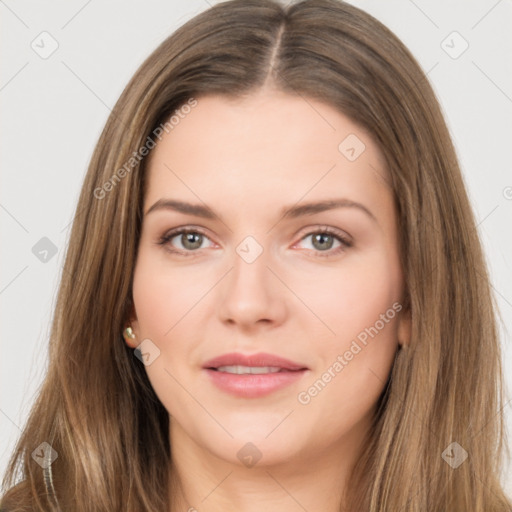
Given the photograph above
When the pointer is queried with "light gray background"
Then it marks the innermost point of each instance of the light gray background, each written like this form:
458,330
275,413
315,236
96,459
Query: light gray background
53,110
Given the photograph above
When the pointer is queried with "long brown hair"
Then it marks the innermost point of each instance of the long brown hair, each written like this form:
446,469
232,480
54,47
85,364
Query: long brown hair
96,407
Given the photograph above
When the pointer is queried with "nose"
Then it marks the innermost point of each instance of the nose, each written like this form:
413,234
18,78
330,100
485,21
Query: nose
251,294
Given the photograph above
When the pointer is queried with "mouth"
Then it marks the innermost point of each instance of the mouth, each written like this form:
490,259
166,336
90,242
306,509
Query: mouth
242,363
252,376
253,370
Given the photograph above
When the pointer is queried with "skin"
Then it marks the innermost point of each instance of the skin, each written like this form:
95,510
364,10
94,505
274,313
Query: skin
247,159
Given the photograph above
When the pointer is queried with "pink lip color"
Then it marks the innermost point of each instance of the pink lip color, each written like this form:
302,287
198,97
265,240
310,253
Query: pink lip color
252,385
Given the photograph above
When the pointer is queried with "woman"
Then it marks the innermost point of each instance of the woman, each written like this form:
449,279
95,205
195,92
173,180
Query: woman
274,293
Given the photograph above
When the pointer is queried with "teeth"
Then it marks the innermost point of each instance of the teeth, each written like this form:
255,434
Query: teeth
240,370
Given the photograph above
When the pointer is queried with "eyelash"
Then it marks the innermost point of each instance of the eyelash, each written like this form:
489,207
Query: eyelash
345,242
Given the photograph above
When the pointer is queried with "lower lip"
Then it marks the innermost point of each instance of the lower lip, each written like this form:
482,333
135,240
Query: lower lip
253,386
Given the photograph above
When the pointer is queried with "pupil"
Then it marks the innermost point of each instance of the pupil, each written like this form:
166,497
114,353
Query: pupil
321,238
189,237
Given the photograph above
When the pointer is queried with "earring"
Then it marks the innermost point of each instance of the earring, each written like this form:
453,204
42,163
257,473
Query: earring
128,333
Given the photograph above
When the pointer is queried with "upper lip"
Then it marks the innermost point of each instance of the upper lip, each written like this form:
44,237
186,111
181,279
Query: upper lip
260,359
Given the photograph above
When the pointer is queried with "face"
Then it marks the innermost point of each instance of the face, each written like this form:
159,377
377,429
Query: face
268,321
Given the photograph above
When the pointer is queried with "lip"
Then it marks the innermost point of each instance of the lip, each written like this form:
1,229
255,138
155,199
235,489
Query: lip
260,359
253,385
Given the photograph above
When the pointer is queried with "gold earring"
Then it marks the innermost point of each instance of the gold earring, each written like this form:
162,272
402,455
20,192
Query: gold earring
128,333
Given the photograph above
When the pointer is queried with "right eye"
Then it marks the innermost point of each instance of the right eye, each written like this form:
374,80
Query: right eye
190,239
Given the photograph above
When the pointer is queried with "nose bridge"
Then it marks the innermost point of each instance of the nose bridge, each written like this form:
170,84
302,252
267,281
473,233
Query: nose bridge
249,294
250,262
250,249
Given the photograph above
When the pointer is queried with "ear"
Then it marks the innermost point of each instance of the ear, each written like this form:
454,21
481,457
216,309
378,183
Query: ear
404,327
132,322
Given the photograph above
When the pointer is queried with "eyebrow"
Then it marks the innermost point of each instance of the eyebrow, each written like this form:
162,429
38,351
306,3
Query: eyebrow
200,210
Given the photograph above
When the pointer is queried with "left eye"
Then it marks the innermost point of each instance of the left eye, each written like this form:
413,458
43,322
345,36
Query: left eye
323,239
192,239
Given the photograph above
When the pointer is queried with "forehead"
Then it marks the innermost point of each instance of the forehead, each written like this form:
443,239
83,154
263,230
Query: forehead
267,148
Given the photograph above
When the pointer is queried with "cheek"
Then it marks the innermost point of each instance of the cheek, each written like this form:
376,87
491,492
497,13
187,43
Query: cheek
353,297
354,371
161,297
167,300
360,304
164,294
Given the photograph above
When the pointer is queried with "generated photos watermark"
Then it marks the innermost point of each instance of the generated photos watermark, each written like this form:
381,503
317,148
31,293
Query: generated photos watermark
137,156
342,360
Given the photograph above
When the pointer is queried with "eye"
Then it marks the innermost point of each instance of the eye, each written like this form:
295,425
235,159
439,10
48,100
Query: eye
190,239
323,240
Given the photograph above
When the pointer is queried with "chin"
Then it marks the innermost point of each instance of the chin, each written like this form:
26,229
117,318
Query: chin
253,445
